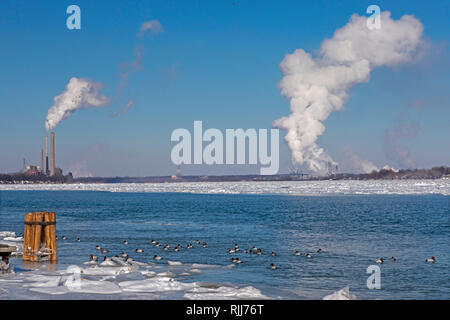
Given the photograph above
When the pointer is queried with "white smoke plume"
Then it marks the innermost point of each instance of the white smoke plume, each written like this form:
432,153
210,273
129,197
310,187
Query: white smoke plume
124,109
352,163
79,94
395,139
153,25
317,86
129,68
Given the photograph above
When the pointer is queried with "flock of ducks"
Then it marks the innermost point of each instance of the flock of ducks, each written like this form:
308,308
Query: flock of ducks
258,251
253,250
393,259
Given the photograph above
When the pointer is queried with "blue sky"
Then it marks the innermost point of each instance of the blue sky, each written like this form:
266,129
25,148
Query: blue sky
216,61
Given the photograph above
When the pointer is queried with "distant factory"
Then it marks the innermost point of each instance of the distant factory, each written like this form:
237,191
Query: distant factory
45,169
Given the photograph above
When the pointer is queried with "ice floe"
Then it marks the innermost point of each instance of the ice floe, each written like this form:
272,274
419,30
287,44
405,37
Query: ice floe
343,294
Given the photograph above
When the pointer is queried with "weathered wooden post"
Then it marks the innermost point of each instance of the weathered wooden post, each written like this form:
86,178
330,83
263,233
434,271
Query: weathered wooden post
40,237
50,235
37,236
27,237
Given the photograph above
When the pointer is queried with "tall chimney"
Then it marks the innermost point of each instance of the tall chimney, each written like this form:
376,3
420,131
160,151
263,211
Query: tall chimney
52,153
42,160
46,155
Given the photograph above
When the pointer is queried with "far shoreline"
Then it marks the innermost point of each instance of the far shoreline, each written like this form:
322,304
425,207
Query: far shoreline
435,173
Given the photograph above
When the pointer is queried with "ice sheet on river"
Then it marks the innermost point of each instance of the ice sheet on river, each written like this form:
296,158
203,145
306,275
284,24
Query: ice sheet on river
326,187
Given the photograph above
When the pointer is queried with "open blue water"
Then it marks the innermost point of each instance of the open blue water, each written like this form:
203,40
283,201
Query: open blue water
352,230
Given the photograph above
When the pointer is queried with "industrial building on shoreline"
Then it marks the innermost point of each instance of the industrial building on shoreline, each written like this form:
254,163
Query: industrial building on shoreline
48,165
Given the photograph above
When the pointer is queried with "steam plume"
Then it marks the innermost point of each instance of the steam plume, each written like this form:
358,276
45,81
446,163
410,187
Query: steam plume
153,25
317,86
124,109
395,139
79,94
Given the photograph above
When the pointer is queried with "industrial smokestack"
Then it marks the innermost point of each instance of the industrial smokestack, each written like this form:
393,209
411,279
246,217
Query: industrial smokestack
42,160
46,155
52,153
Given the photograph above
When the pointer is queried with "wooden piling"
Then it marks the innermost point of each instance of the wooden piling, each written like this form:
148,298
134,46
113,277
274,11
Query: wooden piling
40,237
27,237
50,235
37,236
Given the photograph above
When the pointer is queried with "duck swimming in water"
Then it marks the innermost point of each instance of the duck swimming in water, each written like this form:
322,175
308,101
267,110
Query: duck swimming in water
64,237
297,253
155,257
125,242
308,255
93,258
139,250
319,250
204,244
78,240
273,254
379,261
273,267
104,250
393,259
431,260
231,251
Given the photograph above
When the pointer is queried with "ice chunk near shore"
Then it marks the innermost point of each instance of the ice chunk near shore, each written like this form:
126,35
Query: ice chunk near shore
93,286
9,238
155,285
220,293
46,282
343,294
15,239
5,234
106,271
108,263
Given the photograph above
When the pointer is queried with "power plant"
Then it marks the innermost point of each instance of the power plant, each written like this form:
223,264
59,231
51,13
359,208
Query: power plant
47,168
46,155
52,154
